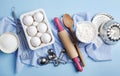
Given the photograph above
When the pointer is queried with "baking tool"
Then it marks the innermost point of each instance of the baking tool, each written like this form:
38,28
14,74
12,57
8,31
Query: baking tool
5,42
68,22
25,54
51,54
52,58
43,60
101,18
62,53
86,31
68,44
59,59
110,32
15,18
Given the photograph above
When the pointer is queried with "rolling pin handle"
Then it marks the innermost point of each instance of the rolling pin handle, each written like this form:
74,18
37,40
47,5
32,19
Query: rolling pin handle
57,21
77,63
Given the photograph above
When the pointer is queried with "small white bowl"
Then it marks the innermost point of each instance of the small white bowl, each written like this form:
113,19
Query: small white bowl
9,42
86,31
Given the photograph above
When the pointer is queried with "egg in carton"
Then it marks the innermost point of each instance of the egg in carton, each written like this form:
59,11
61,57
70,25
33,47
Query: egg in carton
37,29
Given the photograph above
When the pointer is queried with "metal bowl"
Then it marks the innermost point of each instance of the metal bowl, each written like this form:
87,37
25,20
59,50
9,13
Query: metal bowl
110,32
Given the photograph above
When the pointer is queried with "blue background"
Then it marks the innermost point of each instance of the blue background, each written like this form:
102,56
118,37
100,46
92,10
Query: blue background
57,8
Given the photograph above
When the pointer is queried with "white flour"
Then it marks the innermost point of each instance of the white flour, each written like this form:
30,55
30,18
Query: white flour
85,32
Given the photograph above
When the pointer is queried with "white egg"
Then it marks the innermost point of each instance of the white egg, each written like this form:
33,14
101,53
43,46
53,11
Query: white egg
28,20
38,17
42,27
45,38
35,23
35,41
39,34
32,30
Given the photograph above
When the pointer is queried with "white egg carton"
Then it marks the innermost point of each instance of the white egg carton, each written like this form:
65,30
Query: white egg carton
37,29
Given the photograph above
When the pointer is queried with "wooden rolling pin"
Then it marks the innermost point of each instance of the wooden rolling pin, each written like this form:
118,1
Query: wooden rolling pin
68,22
71,50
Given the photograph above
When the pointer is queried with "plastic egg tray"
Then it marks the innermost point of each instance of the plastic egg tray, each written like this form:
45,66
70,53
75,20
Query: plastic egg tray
37,29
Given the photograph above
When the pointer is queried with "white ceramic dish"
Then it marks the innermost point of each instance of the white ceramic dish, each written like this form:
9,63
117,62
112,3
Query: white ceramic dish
86,31
38,18
9,42
100,19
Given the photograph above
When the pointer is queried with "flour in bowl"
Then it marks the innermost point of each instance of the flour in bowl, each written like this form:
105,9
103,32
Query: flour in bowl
86,31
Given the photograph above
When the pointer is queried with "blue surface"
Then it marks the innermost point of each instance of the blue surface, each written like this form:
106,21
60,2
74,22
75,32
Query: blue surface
57,8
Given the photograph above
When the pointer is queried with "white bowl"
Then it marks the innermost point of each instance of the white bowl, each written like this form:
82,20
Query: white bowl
86,31
9,42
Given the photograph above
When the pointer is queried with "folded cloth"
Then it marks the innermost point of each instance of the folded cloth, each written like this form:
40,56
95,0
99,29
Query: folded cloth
96,50
7,25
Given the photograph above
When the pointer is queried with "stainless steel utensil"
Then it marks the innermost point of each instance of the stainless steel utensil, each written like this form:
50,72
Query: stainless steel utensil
110,32
23,43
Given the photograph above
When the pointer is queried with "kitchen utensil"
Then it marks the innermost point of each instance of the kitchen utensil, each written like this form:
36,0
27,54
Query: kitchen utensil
110,32
5,42
68,44
51,54
68,22
43,60
62,53
59,59
52,58
25,54
101,18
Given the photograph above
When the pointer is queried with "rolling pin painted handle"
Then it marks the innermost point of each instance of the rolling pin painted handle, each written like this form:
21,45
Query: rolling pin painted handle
57,21
77,63
68,44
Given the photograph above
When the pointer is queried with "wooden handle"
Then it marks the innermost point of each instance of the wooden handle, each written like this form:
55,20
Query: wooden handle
73,36
76,46
80,55
71,50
